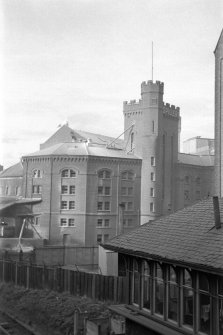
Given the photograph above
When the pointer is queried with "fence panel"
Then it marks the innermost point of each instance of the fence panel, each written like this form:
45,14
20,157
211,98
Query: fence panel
95,286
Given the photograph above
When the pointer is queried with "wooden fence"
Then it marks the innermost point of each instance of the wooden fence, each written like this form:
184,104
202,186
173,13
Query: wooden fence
95,286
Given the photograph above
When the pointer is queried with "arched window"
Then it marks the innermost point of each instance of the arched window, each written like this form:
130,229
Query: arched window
104,174
136,283
37,173
188,303
204,304
159,289
147,285
68,173
127,175
172,294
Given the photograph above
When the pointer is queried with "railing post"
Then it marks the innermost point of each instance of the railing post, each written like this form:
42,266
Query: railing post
27,276
3,270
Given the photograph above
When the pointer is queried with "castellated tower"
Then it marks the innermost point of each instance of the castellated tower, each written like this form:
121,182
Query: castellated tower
154,138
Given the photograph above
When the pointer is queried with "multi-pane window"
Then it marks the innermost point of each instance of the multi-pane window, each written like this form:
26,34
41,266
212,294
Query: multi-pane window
37,189
186,180
64,189
172,294
103,223
204,304
37,173
104,190
64,204
72,189
127,175
100,205
99,238
147,286
68,173
99,223
67,222
159,289
72,204
188,301
107,206
104,174
103,206
71,222
106,222
106,237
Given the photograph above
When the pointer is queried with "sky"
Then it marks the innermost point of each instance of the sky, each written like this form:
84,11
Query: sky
78,60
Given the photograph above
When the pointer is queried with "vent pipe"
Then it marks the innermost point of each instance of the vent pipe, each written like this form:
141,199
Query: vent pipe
217,217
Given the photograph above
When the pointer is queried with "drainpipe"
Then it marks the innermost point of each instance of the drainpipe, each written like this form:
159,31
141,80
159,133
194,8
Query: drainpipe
51,183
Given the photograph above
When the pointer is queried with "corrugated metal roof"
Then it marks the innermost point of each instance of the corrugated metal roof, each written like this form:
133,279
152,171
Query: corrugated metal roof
187,236
206,160
13,171
82,149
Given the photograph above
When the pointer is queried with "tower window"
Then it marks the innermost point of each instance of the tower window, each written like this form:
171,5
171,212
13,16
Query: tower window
153,162
37,173
152,193
151,206
152,176
132,140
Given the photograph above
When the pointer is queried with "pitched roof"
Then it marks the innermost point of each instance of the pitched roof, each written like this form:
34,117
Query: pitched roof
203,160
186,237
82,149
67,134
10,201
13,171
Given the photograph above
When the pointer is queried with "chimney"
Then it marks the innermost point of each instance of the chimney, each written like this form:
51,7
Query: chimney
216,212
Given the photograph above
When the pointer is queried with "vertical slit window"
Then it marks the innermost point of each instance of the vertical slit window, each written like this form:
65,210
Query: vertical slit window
159,289
147,286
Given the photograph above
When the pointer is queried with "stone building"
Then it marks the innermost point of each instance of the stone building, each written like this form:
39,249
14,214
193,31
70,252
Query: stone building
93,187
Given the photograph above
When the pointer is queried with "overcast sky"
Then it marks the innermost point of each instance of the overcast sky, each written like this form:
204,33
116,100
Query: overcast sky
78,60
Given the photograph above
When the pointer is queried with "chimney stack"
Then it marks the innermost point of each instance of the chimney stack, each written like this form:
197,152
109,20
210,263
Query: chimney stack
217,217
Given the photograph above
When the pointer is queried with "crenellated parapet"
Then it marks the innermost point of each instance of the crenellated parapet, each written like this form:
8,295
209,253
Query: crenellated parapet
152,87
171,110
132,105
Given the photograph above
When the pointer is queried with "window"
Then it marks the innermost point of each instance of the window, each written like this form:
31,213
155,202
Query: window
198,180
7,190
63,204
106,238
99,223
107,190
37,221
152,192
71,204
204,304
99,238
147,286
37,189
106,222
64,189
100,190
37,173
100,206
172,294
72,174
151,207
159,289
107,206
136,283
129,206
153,127
188,304
132,140
63,222
186,195
152,176
65,173
72,189
127,175
17,190
71,222
104,174
68,173
153,161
